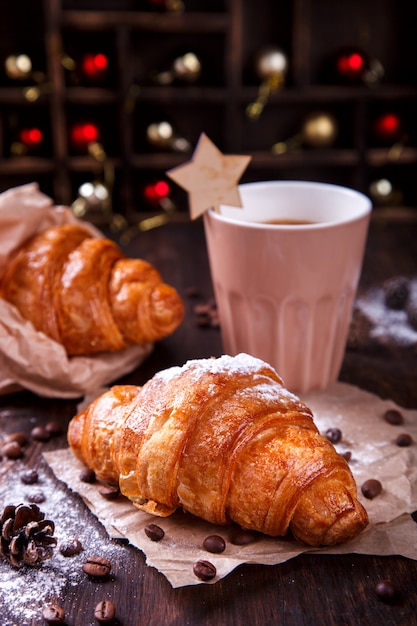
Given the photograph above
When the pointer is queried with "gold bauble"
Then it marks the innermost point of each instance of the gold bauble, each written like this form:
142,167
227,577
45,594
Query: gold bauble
18,66
160,134
187,67
319,130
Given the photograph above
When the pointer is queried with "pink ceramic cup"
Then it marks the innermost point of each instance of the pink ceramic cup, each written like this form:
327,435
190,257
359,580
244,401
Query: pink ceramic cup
285,292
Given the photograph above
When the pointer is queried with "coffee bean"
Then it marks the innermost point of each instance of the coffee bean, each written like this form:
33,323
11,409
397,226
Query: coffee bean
105,612
334,435
36,498
53,614
54,428
386,591
404,440
204,570
242,537
347,455
154,532
70,547
12,450
39,433
394,417
87,475
214,544
97,567
19,437
29,477
109,492
371,488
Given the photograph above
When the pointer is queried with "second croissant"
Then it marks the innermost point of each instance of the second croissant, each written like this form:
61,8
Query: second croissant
83,292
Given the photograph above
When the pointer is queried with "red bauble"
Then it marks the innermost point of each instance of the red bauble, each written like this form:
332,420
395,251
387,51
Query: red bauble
157,191
94,66
84,134
352,64
31,137
388,127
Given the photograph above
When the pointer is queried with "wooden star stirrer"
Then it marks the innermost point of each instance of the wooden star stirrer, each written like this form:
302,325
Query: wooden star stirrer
210,177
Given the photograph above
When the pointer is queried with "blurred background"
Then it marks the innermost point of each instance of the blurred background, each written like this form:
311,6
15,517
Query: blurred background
99,98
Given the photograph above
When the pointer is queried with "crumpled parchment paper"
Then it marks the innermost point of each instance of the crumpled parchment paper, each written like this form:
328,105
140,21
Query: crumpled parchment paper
29,359
365,433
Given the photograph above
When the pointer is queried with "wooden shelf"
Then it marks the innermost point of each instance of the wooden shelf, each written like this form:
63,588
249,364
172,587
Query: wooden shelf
139,42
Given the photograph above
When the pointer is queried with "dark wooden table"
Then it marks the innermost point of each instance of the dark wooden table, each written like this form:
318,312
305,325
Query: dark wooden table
307,591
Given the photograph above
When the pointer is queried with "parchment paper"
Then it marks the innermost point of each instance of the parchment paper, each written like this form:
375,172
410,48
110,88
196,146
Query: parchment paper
29,359
359,415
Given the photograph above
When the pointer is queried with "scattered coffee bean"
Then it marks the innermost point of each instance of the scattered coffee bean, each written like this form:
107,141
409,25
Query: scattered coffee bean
347,455
97,567
87,475
110,492
192,292
54,428
371,488
39,433
12,450
204,570
334,435
36,498
207,315
53,614
242,537
404,440
29,477
394,417
386,591
105,612
21,438
154,532
397,291
214,544
70,547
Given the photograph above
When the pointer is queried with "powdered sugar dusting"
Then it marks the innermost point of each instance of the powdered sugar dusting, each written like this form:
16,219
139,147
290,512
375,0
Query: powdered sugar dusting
240,364
388,326
33,588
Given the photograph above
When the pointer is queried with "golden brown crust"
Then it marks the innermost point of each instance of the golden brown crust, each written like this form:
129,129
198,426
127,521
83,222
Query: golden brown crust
83,293
226,441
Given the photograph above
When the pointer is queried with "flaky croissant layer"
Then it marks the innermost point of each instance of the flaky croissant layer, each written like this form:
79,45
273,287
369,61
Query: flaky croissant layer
85,294
226,441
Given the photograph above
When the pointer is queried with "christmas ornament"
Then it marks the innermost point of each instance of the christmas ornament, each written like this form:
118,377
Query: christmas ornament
93,197
353,65
319,129
83,134
155,192
18,67
186,68
161,135
31,137
210,177
94,66
383,193
26,536
271,65
29,141
388,127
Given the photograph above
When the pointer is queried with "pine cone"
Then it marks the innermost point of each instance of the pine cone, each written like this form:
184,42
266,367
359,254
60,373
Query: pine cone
26,536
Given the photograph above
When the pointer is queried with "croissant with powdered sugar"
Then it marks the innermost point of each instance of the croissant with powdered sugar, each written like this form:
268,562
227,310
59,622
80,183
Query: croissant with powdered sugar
223,439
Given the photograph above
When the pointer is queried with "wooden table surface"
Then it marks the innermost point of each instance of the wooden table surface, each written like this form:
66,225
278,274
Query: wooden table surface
307,591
